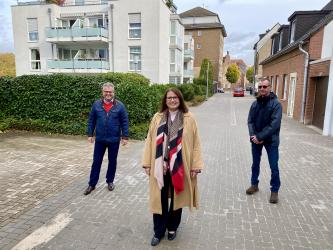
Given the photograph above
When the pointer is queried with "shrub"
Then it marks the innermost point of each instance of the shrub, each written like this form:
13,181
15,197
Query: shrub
187,91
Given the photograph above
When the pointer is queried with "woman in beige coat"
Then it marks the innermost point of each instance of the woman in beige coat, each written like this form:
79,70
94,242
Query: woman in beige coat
172,160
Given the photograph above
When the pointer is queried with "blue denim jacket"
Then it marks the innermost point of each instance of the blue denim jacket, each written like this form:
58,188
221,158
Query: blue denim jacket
264,120
108,126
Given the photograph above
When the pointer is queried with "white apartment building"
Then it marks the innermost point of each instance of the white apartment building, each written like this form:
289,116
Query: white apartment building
188,59
96,36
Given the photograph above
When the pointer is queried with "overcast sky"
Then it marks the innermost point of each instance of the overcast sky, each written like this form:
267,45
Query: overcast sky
243,20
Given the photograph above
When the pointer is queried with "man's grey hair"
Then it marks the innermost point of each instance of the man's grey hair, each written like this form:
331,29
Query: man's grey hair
107,84
265,79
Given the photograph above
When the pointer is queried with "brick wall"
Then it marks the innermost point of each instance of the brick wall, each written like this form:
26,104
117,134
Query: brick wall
211,41
316,43
292,62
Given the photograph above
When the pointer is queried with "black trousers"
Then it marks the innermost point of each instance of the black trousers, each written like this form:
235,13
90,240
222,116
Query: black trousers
169,219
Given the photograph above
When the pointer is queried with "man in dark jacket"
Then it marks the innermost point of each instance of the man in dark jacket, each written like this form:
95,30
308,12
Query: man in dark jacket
108,119
264,122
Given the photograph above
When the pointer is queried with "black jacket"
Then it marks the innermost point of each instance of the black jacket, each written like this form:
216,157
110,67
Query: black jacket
264,120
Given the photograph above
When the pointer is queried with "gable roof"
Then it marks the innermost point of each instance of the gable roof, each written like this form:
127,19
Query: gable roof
206,26
197,12
304,38
328,6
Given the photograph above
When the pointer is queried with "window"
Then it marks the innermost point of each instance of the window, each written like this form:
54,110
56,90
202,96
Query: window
35,59
135,58
185,46
277,86
292,32
134,29
172,60
273,45
198,46
199,33
284,87
32,29
272,83
280,40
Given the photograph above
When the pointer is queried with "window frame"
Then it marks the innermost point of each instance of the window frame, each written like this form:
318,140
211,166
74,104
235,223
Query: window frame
138,28
28,32
139,63
34,61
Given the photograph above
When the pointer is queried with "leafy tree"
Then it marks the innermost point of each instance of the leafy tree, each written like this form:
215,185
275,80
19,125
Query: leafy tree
169,3
7,64
203,70
249,74
233,73
59,2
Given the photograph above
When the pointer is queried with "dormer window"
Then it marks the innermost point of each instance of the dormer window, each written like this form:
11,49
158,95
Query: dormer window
273,46
280,40
292,32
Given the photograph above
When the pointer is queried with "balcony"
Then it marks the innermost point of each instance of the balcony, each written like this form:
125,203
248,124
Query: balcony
188,73
188,55
77,34
78,66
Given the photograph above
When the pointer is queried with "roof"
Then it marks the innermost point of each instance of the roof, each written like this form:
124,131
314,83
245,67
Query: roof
305,37
283,26
238,61
206,26
328,6
197,12
310,12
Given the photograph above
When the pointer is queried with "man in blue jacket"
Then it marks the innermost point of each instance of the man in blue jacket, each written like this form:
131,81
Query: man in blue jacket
108,120
264,122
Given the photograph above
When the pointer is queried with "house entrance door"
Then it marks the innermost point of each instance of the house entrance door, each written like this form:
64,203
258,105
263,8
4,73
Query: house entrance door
291,96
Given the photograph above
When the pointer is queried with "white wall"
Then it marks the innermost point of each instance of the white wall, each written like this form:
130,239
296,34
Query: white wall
198,20
328,121
154,37
327,40
21,42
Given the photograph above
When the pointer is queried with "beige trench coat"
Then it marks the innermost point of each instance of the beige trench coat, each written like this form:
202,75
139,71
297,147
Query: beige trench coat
191,153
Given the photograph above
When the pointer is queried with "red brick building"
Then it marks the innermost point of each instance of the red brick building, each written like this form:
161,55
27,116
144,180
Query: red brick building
299,64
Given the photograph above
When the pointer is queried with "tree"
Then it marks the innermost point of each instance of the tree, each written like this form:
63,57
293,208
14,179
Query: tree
249,74
169,3
233,73
58,2
203,70
7,64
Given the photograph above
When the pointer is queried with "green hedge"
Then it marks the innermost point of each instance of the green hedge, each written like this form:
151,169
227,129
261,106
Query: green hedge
60,103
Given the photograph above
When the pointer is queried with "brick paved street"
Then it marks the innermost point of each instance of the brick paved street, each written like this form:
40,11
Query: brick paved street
42,180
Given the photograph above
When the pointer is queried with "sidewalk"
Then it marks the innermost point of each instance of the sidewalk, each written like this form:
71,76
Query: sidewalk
43,178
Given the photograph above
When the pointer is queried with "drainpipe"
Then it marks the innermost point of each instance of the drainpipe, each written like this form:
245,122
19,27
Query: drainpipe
111,55
305,84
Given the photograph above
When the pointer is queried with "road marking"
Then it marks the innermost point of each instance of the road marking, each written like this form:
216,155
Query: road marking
44,233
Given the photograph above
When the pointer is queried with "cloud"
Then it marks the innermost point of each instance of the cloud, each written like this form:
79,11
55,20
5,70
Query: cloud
6,38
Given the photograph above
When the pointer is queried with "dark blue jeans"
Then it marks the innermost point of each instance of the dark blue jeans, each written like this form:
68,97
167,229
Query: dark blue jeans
273,158
99,152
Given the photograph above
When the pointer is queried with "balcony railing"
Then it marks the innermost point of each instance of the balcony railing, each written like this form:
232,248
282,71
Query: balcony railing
65,3
189,53
76,33
188,73
83,64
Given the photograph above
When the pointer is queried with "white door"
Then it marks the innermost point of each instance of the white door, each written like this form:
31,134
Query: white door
291,96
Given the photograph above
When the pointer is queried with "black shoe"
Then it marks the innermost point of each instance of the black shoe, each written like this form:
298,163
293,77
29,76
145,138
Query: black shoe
111,186
155,241
274,198
89,190
172,236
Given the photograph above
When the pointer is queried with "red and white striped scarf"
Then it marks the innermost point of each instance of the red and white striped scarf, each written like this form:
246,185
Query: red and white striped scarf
169,151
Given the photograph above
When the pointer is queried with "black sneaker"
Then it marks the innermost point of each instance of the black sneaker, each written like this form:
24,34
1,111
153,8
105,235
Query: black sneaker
172,236
155,241
111,186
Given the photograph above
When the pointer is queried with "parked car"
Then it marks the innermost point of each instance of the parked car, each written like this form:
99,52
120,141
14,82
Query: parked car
238,92
220,90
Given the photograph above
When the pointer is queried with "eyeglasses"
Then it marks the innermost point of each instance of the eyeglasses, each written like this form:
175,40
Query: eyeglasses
263,86
107,92
169,98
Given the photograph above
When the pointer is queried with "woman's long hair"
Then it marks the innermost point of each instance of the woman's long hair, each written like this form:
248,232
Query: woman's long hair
182,105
